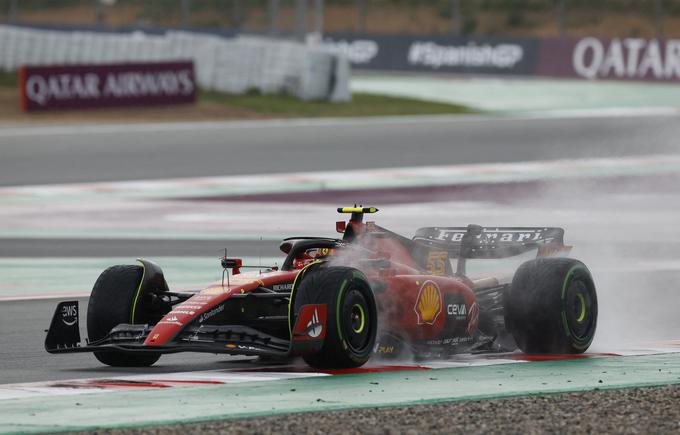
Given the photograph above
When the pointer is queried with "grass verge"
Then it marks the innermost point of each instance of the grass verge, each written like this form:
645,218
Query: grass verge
362,104
9,78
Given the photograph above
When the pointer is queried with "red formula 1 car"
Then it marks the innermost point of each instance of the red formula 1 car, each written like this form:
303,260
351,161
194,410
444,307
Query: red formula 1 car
337,302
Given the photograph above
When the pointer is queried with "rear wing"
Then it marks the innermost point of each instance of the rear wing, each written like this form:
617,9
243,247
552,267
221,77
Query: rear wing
477,242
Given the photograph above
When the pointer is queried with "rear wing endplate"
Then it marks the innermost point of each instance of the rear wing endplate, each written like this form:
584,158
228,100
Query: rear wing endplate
477,242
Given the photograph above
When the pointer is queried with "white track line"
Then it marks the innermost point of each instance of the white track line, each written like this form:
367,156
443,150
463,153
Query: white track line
143,382
14,130
236,376
43,296
359,179
160,127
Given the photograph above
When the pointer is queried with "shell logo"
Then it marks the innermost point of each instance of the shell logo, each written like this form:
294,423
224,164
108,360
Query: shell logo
429,303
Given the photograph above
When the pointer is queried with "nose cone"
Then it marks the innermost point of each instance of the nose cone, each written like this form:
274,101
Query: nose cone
169,326
182,315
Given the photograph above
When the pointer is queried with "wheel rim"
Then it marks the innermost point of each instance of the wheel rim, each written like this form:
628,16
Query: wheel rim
355,323
358,318
579,311
582,303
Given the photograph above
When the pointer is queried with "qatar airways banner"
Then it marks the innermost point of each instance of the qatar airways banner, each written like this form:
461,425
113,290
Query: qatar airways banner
89,86
622,59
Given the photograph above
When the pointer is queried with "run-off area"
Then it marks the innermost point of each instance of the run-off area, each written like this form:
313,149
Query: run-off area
624,229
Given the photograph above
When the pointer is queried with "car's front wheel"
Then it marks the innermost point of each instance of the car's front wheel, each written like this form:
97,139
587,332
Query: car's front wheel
112,302
352,319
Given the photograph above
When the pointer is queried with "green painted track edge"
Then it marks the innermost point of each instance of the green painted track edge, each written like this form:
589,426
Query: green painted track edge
416,402
198,420
341,407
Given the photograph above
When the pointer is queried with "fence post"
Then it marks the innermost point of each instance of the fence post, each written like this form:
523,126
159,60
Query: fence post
561,19
236,14
273,17
319,10
186,13
99,12
455,17
301,19
13,9
361,15
658,18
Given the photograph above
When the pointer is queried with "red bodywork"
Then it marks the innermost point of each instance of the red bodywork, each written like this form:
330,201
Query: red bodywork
412,304
422,305
200,306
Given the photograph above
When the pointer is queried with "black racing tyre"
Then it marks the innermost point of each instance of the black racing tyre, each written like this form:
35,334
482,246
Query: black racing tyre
352,318
551,306
110,305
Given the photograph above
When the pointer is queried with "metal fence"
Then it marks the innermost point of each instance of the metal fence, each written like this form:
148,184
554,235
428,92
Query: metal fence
606,18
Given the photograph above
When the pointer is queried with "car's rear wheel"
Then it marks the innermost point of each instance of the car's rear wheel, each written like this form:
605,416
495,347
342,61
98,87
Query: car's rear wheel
551,306
352,320
111,303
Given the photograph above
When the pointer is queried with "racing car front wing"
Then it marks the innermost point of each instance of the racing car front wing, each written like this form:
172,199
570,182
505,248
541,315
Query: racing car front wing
63,336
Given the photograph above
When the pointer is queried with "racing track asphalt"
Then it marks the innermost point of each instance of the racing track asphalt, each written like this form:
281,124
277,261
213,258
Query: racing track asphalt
62,154
23,357
35,155
18,247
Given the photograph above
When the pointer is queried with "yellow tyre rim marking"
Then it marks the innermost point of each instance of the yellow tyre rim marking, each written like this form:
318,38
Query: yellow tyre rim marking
582,300
363,319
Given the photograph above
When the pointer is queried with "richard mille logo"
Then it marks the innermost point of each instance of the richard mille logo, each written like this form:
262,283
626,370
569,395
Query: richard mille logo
314,327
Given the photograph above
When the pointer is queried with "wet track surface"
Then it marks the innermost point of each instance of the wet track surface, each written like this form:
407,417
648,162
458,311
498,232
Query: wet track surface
616,230
627,235
23,357
62,154
133,248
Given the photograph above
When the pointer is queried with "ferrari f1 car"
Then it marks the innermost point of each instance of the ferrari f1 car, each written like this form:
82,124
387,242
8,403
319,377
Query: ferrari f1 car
337,302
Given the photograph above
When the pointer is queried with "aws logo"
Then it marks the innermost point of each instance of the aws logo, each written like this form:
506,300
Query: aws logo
69,314
429,303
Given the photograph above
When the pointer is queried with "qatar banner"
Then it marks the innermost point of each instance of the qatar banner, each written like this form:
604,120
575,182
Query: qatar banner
106,85
612,59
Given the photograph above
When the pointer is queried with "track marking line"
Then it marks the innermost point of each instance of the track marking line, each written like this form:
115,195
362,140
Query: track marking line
326,181
18,130
42,296
287,372
167,406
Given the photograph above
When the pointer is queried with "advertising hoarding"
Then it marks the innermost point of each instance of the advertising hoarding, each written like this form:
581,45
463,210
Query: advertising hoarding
106,85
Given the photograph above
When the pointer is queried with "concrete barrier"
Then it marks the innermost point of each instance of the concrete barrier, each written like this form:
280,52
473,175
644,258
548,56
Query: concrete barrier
233,65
